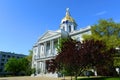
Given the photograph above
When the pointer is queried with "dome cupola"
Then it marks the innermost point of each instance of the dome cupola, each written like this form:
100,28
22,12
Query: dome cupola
68,23
68,17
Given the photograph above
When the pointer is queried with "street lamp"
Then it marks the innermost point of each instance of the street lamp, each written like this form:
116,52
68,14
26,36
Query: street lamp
118,51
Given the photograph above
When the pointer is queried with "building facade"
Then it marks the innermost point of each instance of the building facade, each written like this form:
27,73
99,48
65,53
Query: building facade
4,57
45,48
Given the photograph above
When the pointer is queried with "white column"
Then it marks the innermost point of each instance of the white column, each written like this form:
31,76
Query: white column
45,49
65,27
36,67
38,51
51,47
55,51
43,67
72,28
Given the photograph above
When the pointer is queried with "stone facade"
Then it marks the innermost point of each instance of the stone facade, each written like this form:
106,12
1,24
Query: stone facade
45,48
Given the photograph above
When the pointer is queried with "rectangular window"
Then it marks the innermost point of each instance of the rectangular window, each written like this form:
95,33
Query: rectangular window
0,70
2,59
3,55
2,64
74,28
18,57
69,28
8,56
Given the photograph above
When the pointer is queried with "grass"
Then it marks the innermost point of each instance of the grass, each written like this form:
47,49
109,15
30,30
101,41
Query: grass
101,78
50,78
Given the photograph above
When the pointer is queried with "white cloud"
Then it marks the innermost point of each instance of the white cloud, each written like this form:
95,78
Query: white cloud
101,13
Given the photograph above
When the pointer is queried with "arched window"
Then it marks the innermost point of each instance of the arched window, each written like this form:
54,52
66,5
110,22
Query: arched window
74,28
66,21
42,48
69,28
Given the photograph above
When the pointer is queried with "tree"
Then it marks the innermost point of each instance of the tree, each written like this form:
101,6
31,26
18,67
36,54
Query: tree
29,57
25,66
29,70
109,32
69,57
77,57
106,30
99,55
12,66
117,61
18,66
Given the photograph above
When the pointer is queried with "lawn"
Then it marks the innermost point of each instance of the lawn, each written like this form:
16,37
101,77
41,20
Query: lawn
101,78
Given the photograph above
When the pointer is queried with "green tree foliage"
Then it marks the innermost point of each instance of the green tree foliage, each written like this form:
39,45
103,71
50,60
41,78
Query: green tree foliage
18,66
107,31
117,60
60,45
12,66
26,66
29,57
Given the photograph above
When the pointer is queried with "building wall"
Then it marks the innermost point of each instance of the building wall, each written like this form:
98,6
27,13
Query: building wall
78,36
43,52
47,50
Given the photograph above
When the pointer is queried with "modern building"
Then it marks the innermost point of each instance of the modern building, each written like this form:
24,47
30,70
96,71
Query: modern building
5,56
45,48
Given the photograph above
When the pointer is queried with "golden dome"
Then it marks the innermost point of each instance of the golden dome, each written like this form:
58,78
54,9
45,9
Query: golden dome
68,17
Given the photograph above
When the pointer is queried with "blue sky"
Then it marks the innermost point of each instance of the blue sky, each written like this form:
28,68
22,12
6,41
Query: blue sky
22,22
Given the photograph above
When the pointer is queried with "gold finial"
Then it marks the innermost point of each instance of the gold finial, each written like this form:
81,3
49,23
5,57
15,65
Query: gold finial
67,12
67,9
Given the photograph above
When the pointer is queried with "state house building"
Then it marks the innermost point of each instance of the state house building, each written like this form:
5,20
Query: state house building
45,47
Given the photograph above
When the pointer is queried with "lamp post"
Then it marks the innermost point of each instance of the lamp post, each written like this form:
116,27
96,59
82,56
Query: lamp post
118,51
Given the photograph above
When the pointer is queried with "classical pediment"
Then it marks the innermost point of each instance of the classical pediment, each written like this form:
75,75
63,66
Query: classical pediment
48,35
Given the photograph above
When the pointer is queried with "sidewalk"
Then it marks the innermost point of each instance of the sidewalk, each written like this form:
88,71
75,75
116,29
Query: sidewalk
30,78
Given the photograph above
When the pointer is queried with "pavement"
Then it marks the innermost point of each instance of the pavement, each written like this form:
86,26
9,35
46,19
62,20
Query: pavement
31,78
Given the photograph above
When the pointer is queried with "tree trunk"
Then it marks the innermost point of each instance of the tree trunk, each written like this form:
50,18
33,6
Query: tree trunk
76,76
71,77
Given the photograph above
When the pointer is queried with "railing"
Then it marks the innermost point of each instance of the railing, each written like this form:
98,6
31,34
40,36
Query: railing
48,54
36,57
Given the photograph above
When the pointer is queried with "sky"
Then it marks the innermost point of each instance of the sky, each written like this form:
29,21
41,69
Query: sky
22,22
